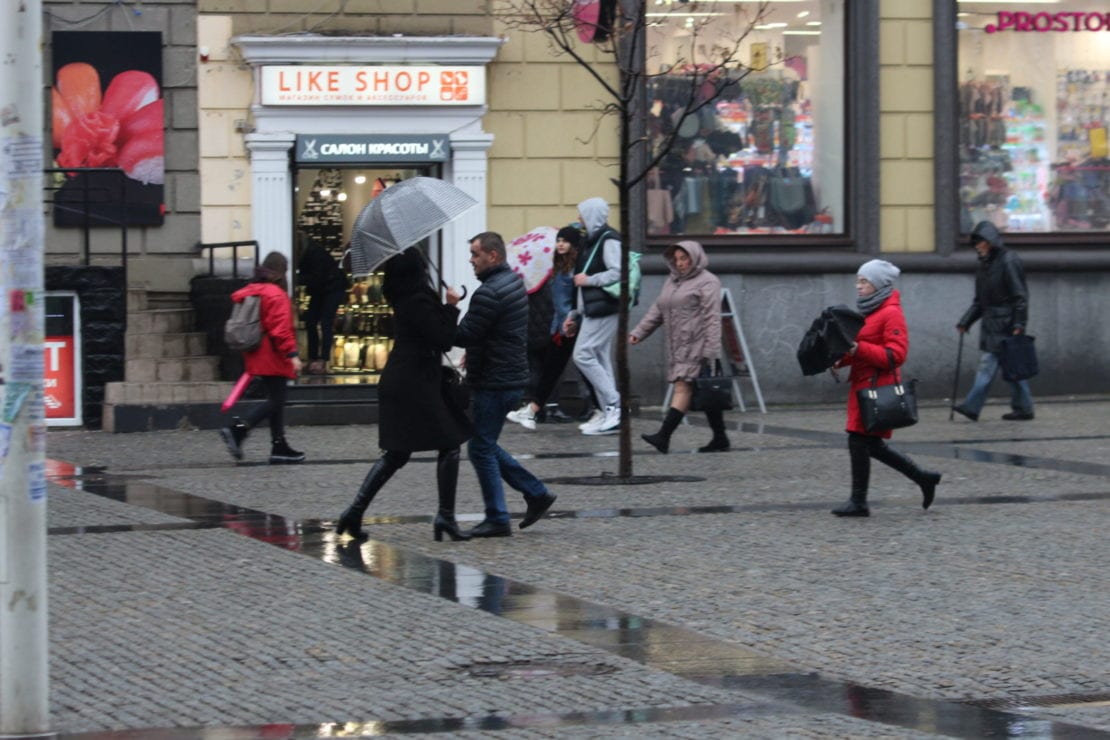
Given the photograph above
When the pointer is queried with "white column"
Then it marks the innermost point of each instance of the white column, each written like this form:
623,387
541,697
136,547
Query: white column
469,171
272,194
24,645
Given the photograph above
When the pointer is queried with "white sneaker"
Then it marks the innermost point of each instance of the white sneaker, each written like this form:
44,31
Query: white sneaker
595,417
523,416
610,422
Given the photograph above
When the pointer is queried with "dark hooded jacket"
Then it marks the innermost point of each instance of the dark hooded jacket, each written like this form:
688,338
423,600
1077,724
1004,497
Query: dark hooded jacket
1001,296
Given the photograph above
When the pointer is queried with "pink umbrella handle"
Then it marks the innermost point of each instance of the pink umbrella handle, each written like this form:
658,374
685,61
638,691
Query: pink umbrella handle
236,392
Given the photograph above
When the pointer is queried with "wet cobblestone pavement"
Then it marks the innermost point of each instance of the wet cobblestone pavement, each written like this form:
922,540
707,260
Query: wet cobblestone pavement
731,606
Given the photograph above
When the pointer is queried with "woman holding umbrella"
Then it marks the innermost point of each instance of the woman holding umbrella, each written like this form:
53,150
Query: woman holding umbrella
414,415
880,347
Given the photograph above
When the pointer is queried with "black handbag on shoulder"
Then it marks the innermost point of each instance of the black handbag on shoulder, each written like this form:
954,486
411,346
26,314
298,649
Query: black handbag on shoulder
712,390
1018,358
886,407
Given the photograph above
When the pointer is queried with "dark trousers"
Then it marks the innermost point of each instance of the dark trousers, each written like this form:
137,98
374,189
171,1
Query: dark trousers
273,408
319,324
552,362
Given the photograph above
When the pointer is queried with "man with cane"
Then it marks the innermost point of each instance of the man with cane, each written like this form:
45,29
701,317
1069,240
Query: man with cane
1002,301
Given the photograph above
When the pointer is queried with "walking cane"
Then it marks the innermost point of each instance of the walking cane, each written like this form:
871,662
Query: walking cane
956,380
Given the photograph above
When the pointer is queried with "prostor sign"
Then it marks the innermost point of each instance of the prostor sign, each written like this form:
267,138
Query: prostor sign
372,85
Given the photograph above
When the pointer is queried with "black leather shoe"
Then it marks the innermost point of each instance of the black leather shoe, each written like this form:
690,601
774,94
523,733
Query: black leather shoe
1018,416
537,507
964,412
487,528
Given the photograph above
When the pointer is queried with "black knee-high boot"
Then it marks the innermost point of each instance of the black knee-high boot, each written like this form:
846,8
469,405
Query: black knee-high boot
350,521
661,440
447,478
927,480
719,443
860,455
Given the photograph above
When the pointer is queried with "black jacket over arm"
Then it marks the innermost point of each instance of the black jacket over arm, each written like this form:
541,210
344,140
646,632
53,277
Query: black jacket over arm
494,332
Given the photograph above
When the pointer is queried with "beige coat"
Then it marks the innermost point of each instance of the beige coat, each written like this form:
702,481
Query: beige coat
690,308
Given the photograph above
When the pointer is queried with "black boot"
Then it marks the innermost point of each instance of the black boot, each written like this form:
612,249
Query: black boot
927,480
233,437
282,453
447,478
661,440
720,442
861,478
350,521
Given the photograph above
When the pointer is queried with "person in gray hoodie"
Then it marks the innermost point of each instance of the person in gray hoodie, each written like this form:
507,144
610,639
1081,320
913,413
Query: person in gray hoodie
594,317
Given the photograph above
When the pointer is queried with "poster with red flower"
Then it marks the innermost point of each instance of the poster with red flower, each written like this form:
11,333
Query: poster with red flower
107,111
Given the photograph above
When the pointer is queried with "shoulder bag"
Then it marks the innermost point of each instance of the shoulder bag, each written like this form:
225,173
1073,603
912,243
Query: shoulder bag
886,407
1018,358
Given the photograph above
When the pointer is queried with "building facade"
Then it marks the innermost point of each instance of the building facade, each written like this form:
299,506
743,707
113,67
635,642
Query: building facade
862,129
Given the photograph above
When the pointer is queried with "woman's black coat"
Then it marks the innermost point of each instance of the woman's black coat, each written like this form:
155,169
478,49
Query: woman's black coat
413,415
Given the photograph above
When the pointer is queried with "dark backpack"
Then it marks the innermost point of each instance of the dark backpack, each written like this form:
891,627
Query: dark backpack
243,331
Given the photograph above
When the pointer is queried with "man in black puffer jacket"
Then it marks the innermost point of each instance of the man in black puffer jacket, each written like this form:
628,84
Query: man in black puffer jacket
495,335
1002,301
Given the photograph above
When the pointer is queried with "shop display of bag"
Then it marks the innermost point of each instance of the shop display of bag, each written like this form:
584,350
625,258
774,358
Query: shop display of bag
886,407
790,199
712,390
1018,358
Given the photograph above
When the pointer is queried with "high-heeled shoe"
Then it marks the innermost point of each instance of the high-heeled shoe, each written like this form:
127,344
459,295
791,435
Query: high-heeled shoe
350,521
446,523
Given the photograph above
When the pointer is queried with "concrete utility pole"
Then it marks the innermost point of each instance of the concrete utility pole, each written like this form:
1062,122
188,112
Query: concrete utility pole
24,705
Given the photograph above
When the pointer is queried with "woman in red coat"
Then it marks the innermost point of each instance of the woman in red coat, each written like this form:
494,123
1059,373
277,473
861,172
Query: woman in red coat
880,347
274,362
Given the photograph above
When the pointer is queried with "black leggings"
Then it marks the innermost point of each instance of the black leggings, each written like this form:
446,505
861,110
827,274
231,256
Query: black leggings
553,361
274,406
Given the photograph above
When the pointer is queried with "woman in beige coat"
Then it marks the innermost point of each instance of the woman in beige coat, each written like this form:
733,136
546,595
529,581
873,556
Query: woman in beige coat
690,307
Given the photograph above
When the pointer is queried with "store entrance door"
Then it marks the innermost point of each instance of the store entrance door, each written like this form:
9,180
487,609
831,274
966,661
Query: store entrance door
354,334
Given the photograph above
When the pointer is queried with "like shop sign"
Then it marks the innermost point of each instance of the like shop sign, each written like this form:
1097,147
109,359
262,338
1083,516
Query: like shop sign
372,85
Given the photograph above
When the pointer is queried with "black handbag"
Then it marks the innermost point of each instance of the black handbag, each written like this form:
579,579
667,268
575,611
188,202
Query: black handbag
886,407
712,390
1018,358
453,387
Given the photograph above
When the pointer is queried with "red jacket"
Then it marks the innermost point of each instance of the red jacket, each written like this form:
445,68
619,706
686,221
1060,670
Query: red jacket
279,343
884,329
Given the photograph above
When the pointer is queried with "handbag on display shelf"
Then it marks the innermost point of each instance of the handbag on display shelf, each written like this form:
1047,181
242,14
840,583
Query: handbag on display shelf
886,407
712,390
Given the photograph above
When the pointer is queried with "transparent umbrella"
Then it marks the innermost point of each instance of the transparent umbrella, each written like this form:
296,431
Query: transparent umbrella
401,216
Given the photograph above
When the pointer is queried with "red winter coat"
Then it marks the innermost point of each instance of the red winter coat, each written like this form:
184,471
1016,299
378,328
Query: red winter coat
884,329
279,343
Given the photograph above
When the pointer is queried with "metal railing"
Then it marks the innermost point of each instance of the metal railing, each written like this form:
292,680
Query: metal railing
89,195
234,254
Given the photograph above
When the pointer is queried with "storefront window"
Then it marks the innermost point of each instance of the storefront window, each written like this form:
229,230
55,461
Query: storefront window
767,157
1034,101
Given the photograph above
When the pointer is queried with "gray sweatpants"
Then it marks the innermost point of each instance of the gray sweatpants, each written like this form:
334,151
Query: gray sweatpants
593,355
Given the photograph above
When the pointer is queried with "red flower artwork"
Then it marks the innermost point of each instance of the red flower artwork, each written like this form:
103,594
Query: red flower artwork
123,128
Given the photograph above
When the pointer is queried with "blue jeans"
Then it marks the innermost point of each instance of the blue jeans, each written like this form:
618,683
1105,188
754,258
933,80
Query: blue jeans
491,463
1021,399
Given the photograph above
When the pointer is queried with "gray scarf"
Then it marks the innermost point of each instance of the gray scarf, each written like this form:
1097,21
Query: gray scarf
868,305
